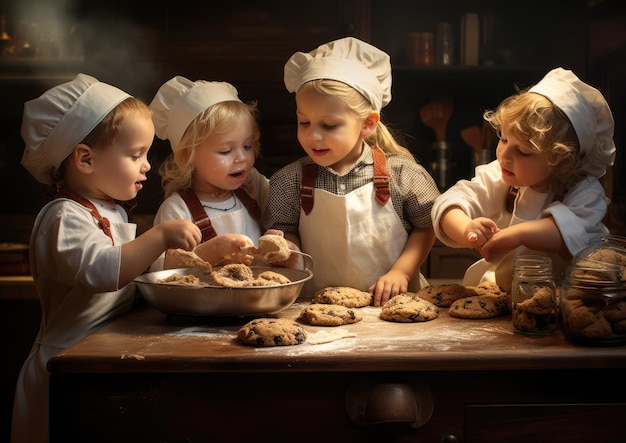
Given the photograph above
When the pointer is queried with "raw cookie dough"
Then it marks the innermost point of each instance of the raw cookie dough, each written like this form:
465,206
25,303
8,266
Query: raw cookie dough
344,296
408,308
234,276
330,315
444,295
271,278
272,249
272,332
190,259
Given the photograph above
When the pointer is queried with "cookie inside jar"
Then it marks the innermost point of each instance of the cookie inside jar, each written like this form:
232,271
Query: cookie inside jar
593,294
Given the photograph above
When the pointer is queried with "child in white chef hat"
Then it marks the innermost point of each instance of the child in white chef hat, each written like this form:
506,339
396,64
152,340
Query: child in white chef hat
358,203
89,141
210,176
542,194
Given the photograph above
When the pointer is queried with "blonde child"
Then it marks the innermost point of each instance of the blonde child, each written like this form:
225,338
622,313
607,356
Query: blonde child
210,176
358,203
542,194
89,140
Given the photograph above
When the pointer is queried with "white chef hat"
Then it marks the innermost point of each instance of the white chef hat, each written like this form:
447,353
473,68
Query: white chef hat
179,101
55,122
589,114
348,60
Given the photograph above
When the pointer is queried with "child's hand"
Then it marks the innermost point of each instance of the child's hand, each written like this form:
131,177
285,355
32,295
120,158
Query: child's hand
478,231
504,240
181,234
389,285
226,249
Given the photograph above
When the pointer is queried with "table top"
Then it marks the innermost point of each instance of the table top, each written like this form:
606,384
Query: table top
146,340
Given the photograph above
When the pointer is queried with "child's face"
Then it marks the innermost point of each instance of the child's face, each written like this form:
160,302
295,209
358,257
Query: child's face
521,164
328,131
120,169
224,160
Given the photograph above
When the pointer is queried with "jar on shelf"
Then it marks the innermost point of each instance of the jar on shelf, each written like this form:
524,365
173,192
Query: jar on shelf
593,294
534,307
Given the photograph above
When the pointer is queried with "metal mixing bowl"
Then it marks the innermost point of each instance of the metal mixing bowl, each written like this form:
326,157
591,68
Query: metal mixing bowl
175,299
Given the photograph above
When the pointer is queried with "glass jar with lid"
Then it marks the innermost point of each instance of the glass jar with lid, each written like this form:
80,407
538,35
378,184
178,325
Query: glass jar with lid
593,294
534,306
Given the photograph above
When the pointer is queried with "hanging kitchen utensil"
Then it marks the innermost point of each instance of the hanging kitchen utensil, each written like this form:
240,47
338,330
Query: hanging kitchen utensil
436,114
473,136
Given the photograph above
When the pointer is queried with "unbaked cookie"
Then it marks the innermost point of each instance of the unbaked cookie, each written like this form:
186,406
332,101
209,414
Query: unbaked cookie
235,275
480,306
272,332
271,278
408,308
344,296
330,315
444,295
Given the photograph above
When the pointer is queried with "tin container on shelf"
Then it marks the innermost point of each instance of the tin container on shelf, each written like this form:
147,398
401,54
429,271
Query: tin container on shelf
593,294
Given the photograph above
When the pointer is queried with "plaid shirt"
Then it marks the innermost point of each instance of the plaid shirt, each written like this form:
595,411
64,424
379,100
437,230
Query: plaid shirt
413,190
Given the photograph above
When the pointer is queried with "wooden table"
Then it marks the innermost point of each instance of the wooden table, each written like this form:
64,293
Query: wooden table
150,377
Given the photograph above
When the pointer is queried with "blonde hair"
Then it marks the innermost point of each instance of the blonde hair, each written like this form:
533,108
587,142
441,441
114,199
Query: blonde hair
105,132
382,137
530,116
177,170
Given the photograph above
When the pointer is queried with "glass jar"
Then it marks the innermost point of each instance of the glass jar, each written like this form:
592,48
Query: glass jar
593,294
534,306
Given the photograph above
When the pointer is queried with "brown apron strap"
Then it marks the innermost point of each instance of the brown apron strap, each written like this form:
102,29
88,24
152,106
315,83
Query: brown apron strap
509,200
381,177
381,181
200,217
250,204
309,172
103,222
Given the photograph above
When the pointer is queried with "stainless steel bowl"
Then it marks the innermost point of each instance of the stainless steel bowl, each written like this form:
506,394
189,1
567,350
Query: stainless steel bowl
175,299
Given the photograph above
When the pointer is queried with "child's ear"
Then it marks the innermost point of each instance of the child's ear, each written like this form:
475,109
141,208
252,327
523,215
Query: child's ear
370,123
83,158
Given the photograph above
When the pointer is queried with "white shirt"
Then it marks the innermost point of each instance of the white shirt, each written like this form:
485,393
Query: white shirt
75,268
578,216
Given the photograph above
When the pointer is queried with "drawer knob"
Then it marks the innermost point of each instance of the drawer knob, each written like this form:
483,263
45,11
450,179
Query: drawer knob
371,402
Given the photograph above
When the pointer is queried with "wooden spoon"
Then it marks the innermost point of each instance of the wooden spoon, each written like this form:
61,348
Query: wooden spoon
436,114
473,136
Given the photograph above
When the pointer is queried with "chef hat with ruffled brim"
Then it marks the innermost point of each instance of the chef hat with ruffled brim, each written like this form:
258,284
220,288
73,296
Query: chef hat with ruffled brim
58,120
348,60
589,114
179,101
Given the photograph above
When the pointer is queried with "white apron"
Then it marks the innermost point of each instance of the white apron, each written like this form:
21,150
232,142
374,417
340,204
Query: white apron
353,239
235,222
82,316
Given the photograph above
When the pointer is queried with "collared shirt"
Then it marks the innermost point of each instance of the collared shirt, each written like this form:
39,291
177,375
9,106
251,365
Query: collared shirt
413,190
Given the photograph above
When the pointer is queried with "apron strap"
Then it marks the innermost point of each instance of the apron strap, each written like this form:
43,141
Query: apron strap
103,222
381,177
381,181
309,172
199,215
250,203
